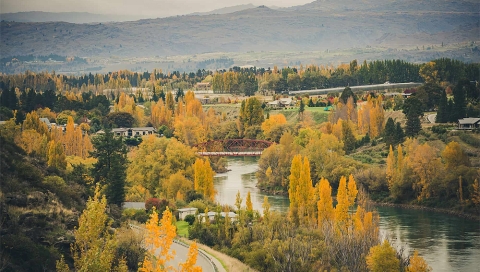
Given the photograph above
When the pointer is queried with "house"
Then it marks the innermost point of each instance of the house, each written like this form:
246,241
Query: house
286,102
182,213
203,86
469,123
211,216
281,103
132,132
274,104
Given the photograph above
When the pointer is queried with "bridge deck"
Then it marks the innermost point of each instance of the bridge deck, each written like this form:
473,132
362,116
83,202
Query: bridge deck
231,154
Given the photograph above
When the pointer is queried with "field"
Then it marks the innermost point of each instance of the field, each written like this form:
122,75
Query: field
182,228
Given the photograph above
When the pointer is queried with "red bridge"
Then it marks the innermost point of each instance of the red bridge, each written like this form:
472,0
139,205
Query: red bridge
232,147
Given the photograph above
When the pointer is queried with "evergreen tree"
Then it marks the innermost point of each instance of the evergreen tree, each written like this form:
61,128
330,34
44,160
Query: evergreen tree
459,99
348,137
110,169
413,123
347,92
450,110
301,109
389,133
442,114
399,134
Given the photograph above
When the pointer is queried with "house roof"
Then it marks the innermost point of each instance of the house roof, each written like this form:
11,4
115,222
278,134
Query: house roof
187,209
468,121
45,120
134,129
134,205
285,101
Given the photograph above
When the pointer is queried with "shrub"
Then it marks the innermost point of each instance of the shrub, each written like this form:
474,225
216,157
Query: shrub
190,219
160,205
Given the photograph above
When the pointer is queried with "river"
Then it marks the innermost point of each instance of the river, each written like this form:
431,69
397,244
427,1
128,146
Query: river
446,242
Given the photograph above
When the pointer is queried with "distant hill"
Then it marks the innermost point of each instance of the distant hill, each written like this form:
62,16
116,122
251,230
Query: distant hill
318,26
226,10
69,17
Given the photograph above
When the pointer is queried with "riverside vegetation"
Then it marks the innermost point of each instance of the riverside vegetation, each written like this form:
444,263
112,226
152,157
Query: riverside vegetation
51,174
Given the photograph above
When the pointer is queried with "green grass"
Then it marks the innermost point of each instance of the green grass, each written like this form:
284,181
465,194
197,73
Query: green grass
182,228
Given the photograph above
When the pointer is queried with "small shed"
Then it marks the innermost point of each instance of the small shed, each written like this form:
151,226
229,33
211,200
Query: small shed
182,213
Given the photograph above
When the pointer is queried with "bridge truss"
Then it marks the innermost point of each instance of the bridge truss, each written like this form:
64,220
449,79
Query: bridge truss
232,147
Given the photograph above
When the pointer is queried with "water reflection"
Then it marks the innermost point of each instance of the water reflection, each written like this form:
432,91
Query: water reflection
241,177
447,243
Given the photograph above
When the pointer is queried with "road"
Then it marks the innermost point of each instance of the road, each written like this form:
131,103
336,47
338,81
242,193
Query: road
181,255
207,262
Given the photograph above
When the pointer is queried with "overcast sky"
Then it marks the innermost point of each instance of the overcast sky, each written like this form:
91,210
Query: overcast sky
151,8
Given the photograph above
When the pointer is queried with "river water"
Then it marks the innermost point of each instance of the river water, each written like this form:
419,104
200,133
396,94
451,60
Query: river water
446,242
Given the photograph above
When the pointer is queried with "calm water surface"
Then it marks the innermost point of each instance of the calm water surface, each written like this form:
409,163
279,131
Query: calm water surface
447,243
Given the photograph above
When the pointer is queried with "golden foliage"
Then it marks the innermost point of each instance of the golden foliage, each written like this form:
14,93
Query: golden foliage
189,264
94,247
274,120
158,240
382,258
203,180
418,264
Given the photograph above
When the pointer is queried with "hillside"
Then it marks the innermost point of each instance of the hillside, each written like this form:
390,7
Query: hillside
70,17
318,26
39,211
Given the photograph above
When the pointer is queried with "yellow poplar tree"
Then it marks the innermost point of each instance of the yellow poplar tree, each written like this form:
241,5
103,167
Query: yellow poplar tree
203,178
352,190
248,202
325,203
189,264
418,264
94,247
341,209
295,171
266,209
158,240
56,155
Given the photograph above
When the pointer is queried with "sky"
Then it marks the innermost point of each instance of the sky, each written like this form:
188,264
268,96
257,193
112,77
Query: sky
150,8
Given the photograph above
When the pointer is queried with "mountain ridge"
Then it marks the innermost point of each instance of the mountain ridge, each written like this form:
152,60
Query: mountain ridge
255,29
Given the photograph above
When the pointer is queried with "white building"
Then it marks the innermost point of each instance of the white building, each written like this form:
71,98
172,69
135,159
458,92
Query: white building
182,213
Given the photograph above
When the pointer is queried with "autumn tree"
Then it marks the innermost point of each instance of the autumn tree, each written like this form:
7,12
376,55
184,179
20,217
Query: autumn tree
159,237
274,120
248,202
325,203
153,163
109,170
189,264
56,155
251,114
418,264
94,247
382,258
203,178
300,190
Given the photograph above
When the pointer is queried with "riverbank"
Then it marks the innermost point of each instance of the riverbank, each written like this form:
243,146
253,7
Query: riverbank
429,209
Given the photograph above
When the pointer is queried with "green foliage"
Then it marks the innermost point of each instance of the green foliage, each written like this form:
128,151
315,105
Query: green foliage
119,119
413,125
111,165
140,216
190,219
